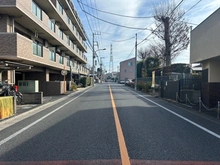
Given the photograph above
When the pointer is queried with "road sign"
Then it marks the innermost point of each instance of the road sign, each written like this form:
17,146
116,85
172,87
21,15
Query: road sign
64,72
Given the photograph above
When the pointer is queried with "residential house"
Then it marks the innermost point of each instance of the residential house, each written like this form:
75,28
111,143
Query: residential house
127,70
205,49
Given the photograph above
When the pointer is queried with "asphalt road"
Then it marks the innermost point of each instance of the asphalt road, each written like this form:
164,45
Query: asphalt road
111,124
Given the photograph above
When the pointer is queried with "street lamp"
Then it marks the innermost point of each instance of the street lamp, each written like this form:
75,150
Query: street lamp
93,57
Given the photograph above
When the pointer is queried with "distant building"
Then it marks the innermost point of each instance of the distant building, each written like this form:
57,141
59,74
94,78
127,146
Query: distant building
127,70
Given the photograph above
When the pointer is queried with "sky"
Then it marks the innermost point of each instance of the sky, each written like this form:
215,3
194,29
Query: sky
107,21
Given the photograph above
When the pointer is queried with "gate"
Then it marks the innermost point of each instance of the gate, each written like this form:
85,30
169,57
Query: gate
169,89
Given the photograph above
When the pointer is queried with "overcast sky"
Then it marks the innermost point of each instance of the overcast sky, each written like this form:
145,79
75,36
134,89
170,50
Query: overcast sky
120,31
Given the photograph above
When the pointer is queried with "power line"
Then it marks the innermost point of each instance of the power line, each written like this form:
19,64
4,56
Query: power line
160,24
86,17
98,23
122,40
136,28
130,52
191,8
115,13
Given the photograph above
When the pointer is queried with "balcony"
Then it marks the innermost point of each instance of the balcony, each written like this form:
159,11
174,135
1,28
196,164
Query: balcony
24,16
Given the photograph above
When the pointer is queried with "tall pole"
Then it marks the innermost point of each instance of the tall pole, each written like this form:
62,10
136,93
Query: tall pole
93,56
135,84
167,41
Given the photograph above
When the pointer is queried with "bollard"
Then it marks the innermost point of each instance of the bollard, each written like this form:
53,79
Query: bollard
200,104
218,109
186,99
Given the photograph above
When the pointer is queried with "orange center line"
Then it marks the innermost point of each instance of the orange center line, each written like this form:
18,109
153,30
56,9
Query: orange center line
122,146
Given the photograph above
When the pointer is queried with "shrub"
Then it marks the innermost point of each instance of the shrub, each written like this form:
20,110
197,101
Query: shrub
85,81
88,81
144,86
147,86
139,86
73,86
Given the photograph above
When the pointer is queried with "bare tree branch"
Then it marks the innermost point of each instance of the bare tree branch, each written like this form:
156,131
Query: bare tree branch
171,29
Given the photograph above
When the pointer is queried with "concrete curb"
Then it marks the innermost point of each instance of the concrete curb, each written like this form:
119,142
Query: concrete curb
16,118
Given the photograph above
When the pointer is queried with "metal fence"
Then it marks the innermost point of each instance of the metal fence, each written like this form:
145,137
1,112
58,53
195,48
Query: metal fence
184,83
190,84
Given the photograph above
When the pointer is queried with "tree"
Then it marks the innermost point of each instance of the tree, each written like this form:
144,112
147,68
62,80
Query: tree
157,51
143,54
171,29
152,63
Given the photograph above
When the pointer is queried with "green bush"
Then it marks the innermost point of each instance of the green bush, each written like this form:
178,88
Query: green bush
144,86
147,86
140,86
88,81
85,81
73,86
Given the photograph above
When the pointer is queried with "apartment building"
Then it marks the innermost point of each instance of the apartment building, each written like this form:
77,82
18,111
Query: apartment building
39,39
204,49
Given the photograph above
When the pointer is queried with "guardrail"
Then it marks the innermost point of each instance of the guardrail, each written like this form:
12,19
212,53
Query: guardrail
7,106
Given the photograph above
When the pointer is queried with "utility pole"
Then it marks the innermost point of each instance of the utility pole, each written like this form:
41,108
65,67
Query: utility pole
101,68
135,84
111,61
93,57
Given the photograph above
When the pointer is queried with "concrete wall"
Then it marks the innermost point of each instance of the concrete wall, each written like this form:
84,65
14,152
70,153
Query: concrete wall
55,88
210,94
192,95
33,98
214,75
205,39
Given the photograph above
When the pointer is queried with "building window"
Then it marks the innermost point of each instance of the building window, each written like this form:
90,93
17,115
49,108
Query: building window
60,33
60,8
36,10
68,19
67,61
52,24
73,27
61,59
67,39
130,64
37,49
52,55
72,45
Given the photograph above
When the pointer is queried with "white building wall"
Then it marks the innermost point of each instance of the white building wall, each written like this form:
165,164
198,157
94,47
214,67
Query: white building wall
205,39
214,70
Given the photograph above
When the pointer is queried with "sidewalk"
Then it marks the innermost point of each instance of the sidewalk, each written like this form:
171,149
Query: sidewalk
47,102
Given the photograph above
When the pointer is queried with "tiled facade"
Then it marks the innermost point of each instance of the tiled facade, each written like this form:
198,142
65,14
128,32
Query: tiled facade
47,35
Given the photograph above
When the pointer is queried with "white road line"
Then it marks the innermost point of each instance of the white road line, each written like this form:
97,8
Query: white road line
176,114
37,121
